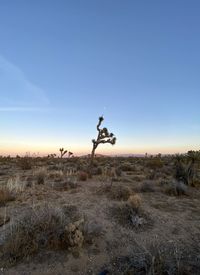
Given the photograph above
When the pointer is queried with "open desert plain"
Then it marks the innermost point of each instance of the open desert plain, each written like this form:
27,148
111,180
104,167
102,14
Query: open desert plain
125,216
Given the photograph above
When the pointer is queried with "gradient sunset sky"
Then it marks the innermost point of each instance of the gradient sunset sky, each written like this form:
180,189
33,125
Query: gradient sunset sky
64,63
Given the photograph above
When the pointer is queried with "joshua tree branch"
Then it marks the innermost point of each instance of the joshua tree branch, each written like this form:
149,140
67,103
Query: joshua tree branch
103,137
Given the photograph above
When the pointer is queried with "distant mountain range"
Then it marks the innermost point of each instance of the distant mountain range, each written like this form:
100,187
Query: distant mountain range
117,155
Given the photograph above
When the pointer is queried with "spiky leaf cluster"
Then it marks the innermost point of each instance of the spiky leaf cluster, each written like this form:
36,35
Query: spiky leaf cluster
103,135
62,152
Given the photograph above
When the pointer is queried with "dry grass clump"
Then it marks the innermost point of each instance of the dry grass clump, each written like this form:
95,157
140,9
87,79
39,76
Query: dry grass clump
147,186
41,227
83,176
176,188
9,191
16,185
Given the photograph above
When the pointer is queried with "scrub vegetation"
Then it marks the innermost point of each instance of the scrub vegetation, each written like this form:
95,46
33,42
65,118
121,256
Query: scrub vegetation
122,215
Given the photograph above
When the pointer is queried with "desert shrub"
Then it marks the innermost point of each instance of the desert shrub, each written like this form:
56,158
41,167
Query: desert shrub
91,230
57,175
83,176
67,184
147,186
71,210
5,195
127,167
176,188
154,163
95,163
41,175
60,186
25,163
153,175
116,192
131,215
121,192
167,170
159,260
42,227
97,171
135,202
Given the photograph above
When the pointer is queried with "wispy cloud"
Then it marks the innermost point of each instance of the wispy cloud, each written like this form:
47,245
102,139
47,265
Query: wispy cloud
17,92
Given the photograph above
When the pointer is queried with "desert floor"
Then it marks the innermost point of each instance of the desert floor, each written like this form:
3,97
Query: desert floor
155,232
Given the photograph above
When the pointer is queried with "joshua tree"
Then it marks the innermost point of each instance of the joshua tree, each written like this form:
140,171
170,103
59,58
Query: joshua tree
62,152
103,137
70,154
51,156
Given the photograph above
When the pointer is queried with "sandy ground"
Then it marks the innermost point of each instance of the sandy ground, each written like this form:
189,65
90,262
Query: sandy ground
173,225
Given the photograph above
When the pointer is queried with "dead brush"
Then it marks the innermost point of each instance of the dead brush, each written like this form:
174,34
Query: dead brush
41,227
135,201
41,175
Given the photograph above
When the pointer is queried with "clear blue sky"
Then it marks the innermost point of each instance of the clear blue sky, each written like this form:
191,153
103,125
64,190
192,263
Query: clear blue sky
63,63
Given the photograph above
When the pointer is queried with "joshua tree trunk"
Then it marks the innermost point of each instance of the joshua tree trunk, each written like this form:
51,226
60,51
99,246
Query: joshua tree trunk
103,137
92,155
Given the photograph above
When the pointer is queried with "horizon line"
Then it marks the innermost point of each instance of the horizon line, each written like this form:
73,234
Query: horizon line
29,154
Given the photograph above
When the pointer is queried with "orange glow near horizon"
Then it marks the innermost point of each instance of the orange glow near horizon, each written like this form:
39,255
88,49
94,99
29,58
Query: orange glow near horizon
42,150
